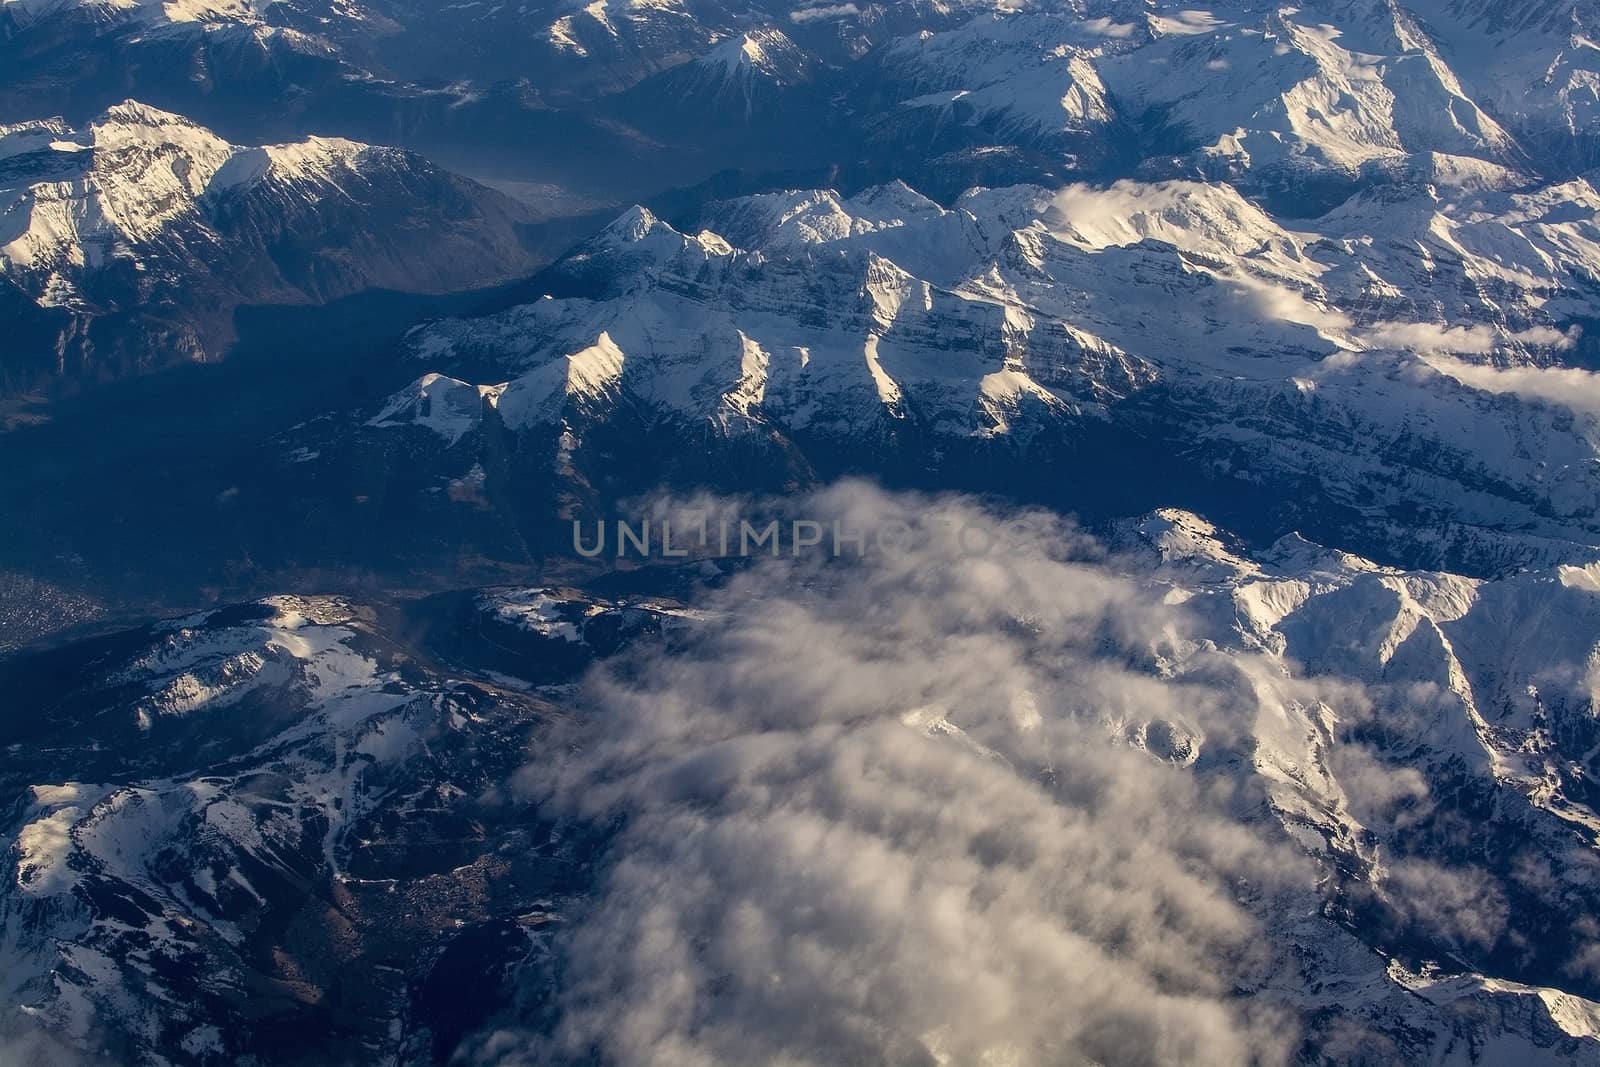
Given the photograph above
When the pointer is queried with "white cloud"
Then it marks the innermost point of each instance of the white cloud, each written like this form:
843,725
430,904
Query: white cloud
1428,338
1276,302
827,11
1578,390
879,814
1105,27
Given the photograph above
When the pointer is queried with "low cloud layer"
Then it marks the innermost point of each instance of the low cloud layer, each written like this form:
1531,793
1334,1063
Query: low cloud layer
886,812
1578,390
826,11
1428,339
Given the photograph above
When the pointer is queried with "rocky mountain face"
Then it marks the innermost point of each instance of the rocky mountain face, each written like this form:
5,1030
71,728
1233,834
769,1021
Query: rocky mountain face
129,243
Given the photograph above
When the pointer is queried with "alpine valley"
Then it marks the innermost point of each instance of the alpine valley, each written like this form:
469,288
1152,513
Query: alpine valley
1249,343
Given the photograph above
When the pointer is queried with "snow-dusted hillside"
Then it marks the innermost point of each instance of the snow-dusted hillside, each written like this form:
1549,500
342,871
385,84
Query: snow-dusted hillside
135,237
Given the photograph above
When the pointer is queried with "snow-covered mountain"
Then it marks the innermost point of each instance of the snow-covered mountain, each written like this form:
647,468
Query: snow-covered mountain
1397,371
1533,64
745,74
271,815
231,841
1299,102
131,241
1308,780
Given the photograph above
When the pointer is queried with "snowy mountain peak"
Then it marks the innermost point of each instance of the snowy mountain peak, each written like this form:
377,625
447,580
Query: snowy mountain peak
124,180
633,225
766,52
1029,74
133,113
1023,313
1199,217
644,239
445,406
798,217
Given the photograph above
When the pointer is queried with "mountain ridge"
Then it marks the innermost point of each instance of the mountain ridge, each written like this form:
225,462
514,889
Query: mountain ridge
145,228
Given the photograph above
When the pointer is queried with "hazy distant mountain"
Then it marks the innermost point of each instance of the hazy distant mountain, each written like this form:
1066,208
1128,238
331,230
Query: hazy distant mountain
1299,102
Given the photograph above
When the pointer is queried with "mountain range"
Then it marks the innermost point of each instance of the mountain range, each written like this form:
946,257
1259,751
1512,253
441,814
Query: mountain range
1252,341
1047,342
